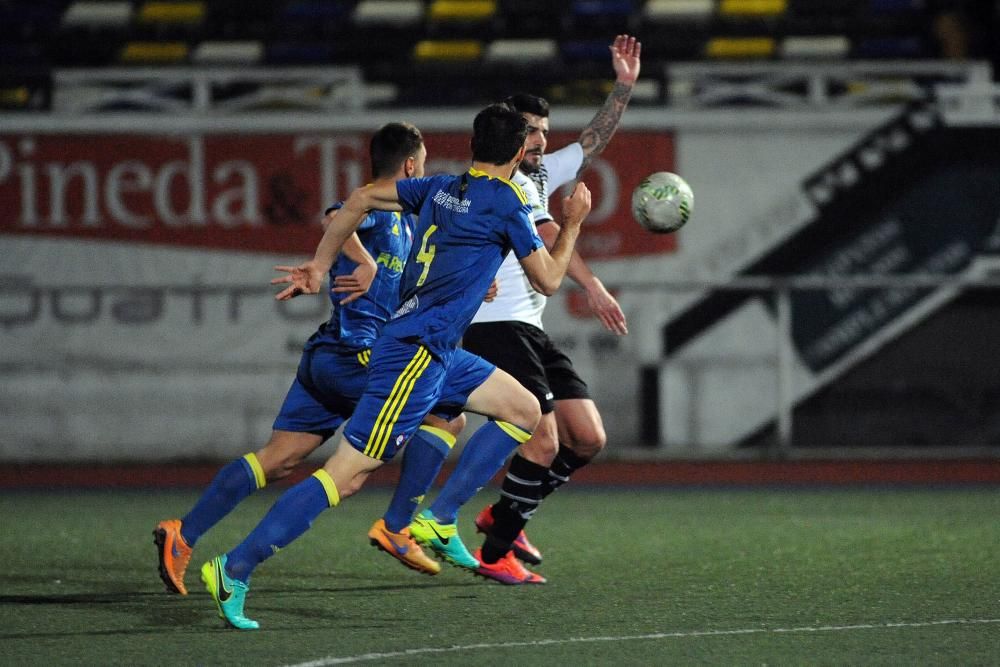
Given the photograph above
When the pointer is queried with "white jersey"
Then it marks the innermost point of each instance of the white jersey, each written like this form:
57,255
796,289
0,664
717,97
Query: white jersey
518,300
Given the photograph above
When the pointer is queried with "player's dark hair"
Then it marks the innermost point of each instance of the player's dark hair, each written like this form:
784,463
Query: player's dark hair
498,133
391,145
527,103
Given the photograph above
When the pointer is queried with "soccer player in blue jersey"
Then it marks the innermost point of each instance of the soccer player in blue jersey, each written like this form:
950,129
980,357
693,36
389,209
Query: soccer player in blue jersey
466,225
332,371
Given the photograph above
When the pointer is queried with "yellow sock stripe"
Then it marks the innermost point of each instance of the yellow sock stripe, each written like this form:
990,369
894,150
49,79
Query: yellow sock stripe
448,438
384,415
258,471
332,494
404,395
515,432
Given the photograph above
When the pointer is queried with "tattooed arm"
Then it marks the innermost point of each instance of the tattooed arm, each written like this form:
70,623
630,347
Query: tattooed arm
625,60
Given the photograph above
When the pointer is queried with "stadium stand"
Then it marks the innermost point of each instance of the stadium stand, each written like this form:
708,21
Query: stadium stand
561,44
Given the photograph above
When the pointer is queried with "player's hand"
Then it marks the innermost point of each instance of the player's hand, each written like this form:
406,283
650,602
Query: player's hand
302,279
356,283
625,54
577,205
492,292
606,308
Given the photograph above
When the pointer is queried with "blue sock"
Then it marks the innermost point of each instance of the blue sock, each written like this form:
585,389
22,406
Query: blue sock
289,517
229,487
482,458
422,461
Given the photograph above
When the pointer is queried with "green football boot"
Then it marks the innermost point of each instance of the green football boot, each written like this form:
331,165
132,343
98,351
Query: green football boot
443,539
229,594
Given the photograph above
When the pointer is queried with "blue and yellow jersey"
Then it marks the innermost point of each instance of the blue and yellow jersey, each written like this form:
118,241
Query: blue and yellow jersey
387,237
466,226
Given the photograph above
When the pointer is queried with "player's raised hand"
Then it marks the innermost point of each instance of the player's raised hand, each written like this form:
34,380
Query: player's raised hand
356,283
577,205
625,53
604,305
302,279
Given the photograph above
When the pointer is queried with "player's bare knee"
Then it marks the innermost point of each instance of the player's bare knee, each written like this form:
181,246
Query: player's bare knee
543,445
588,445
526,412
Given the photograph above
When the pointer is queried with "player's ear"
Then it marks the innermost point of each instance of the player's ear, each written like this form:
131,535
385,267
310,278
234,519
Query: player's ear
410,166
520,153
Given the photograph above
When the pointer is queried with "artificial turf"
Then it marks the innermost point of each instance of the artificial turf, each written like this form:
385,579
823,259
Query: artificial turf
889,575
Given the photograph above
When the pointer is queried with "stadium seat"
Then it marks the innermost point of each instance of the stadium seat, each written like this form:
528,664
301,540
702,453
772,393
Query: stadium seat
464,50
392,12
162,53
14,98
461,10
247,52
890,47
575,51
315,10
528,51
669,11
752,8
740,47
815,47
172,13
109,14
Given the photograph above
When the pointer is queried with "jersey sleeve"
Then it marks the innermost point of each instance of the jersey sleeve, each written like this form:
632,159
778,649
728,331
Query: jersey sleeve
521,231
413,191
539,212
562,165
368,222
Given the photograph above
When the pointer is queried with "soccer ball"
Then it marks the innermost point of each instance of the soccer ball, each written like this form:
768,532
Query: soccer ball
663,202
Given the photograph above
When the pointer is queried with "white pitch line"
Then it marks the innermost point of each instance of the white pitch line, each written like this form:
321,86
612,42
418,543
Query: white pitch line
364,657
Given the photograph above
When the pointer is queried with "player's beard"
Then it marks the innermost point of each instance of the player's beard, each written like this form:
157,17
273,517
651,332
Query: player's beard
530,168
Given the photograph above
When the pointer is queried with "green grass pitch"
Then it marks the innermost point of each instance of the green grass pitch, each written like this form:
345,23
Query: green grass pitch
887,576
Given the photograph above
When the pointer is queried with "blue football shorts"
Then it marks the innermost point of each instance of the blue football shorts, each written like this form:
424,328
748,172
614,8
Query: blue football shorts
327,386
405,383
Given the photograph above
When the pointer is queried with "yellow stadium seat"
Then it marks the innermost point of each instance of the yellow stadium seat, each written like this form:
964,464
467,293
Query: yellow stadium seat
172,12
14,98
154,52
753,7
462,10
740,47
447,50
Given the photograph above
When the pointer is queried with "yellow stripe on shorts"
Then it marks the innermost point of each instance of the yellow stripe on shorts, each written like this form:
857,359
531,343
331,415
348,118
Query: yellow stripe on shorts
364,356
258,470
394,404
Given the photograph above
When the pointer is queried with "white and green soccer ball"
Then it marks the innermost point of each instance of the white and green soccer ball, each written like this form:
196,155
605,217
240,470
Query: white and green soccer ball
663,202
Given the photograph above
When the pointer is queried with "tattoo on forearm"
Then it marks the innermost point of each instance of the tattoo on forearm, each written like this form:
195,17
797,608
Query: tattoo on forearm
598,133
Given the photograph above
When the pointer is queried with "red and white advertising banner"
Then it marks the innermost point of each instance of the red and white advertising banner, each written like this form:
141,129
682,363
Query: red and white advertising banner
262,193
157,249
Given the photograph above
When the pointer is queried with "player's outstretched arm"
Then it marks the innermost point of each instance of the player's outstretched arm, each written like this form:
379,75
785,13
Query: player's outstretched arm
307,278
625,59
354,284
545,269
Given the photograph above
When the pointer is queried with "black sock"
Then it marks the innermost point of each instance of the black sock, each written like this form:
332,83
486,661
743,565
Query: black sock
519,498
563,466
